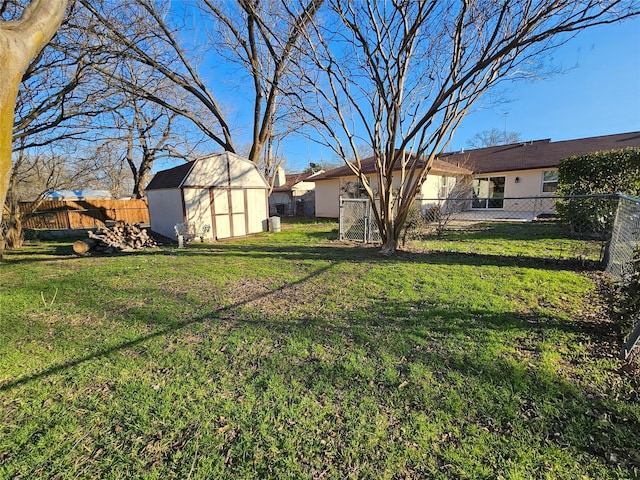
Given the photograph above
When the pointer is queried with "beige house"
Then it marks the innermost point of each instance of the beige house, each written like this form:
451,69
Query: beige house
340,182
293,194
505,178
225,192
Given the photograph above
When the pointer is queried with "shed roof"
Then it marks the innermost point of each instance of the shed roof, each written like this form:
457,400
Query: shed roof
220,170
170,178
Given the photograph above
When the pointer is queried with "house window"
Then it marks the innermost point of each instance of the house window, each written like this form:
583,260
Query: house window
488,192
549,181
443,191
447,187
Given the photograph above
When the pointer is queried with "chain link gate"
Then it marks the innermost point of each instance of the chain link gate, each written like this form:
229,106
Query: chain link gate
357,222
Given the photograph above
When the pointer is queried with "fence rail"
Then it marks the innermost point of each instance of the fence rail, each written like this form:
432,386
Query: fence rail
81,214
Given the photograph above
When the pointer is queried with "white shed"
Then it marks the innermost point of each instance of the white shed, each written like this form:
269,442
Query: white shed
225,191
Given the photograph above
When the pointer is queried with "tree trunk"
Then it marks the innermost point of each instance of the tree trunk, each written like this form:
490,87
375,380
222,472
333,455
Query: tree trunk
388,235
390,246
20,41
14,234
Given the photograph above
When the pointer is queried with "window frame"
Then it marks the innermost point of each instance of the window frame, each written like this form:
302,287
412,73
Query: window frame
549,182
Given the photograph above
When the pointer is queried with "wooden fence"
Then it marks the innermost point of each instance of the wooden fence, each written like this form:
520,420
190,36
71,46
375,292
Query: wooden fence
78,214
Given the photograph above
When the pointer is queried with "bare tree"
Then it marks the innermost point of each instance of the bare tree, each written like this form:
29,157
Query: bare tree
263,38
113,173
260,36
492,138
401,75
34,174
84,89
20,42
62,93
59,106
143,131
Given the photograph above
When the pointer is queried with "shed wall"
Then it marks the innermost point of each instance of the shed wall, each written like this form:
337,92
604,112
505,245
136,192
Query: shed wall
165,210
244,173
208,172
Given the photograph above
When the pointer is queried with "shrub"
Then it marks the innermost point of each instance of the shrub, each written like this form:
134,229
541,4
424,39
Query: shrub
615,171
432,213
411,225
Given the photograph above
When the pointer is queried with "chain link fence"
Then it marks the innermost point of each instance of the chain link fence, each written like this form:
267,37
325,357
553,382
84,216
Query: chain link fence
585,216
357,222
625,236
613,220
588,216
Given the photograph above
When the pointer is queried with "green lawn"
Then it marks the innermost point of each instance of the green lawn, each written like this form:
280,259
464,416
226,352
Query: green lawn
485,354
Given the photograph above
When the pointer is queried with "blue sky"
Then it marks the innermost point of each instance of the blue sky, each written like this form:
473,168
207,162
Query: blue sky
598,95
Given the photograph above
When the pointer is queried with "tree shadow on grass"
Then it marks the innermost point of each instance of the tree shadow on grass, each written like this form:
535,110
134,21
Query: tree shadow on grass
474,366
359,253
326,253
537,230
331,254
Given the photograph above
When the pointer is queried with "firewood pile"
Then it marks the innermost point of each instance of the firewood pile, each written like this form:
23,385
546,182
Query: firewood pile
118,237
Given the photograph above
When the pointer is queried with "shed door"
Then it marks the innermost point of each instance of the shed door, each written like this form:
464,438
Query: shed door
229,212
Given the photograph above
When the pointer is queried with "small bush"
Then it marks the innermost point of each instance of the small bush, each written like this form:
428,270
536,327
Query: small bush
432,213
411,225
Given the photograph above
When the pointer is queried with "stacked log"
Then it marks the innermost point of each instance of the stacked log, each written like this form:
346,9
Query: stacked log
118,237
84,245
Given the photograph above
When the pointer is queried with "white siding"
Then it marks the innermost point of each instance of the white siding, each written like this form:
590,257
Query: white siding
243,173
208,172
225,169
431,187
222,219
239,211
